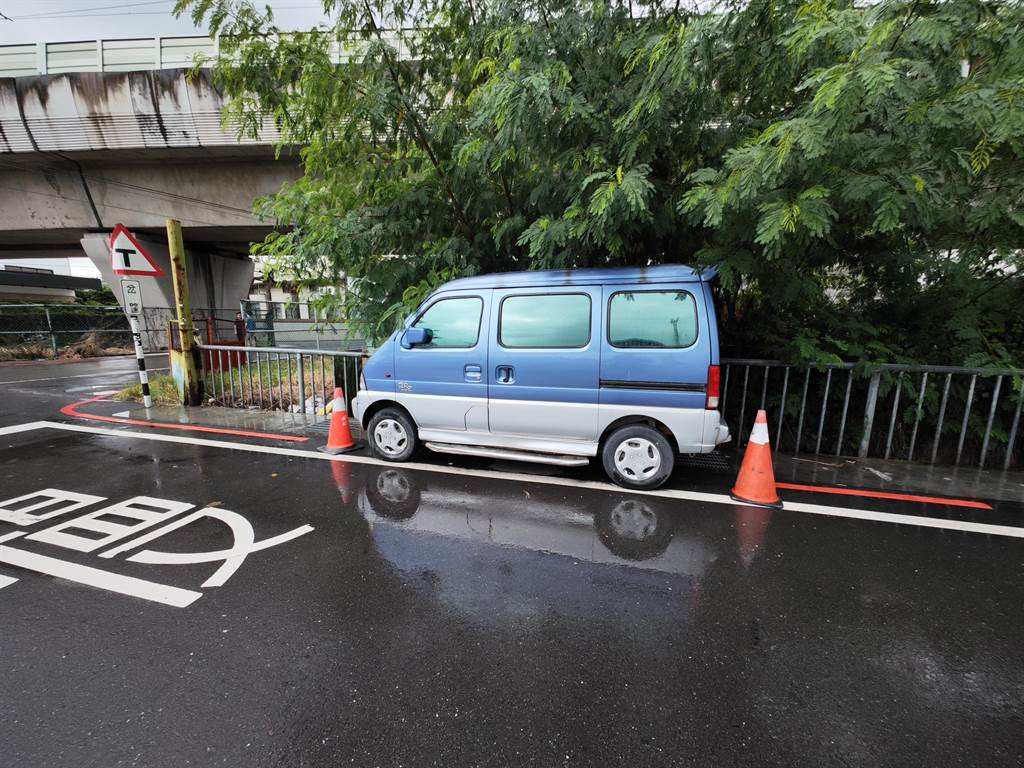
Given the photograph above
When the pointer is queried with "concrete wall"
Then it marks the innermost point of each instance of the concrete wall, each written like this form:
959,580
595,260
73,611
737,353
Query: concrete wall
91,111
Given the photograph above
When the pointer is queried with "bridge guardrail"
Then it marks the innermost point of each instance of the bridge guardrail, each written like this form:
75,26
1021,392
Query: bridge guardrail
142,53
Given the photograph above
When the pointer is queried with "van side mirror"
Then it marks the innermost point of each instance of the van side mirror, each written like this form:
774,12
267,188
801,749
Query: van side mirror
416,336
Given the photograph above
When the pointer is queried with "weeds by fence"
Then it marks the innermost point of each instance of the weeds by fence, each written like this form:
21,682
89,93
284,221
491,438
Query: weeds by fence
35,330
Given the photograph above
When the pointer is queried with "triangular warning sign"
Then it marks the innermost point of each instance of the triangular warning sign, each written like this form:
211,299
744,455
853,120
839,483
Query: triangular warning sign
127,257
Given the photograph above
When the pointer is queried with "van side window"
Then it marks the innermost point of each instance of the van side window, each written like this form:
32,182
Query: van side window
545,321
646,319
454,323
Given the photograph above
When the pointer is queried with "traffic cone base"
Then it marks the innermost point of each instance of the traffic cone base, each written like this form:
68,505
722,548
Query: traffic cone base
751,502
335,452
339,438
756,481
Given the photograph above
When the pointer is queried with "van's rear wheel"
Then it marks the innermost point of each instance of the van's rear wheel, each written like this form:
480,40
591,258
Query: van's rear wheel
392,435
637,456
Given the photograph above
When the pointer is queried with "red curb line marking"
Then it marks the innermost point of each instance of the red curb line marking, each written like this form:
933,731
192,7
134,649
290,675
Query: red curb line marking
69,410
886,495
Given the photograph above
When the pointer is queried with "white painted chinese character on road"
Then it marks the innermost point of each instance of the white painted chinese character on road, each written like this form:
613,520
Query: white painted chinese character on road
133,520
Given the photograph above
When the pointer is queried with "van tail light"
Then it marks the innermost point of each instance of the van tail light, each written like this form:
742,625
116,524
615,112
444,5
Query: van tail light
714,387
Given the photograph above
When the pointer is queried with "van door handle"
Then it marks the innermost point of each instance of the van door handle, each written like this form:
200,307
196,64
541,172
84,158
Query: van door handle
473,372
503,374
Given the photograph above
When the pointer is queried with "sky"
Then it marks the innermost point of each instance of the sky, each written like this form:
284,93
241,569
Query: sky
54,21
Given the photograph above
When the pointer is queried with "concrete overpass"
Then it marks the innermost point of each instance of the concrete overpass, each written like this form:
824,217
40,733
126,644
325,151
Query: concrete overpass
102,132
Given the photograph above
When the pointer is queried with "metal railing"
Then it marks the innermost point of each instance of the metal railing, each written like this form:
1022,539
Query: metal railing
278,378
134,54
923,413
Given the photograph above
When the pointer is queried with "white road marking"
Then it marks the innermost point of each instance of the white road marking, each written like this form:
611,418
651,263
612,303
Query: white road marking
94,577
26,427
6,581
59,503
708,498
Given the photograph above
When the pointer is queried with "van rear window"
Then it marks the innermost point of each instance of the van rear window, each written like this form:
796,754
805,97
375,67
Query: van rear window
652,319
548,321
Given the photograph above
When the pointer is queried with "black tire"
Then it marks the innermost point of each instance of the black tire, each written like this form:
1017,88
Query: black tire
645,441
396,449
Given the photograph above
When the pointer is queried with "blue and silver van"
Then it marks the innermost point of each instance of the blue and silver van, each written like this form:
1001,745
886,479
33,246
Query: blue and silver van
555,367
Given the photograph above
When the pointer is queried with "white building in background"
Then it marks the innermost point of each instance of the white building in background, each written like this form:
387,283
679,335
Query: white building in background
286,297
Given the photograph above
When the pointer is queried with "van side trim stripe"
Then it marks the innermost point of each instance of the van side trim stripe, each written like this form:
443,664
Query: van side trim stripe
673,386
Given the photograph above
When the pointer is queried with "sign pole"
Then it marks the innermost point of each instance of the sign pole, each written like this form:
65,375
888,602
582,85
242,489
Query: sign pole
147,401
193,389
131,291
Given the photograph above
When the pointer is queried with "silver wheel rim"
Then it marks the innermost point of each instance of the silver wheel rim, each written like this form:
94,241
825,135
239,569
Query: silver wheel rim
393,486
633,519
390,437
637,458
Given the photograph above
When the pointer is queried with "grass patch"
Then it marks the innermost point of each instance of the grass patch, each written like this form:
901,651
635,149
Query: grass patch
161,388
272,384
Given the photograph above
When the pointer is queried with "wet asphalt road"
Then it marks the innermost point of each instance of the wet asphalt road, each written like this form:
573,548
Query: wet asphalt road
33,390
453,620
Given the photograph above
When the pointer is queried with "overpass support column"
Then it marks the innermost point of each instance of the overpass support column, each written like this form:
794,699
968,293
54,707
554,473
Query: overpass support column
192,393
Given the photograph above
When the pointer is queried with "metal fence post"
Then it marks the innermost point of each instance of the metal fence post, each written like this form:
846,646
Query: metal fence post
869,415
49,327
1013,432
302,383
782,410
824,408
988,425
895,411
803,407
966,420
917,416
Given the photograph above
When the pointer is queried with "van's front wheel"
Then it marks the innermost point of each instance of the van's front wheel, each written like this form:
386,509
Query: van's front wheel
392,435
637,456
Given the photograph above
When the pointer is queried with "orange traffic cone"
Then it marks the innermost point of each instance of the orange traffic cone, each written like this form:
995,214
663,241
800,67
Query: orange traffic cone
756,482
339,439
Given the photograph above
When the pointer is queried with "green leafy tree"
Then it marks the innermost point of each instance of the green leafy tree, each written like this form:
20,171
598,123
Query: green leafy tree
854,172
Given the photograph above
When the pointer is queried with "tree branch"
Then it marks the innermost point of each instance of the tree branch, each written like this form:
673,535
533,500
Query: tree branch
421,134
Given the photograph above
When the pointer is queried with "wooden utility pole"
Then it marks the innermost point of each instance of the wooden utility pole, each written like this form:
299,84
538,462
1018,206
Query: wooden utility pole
193,389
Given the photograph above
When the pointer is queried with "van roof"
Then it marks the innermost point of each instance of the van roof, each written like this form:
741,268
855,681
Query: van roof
661,273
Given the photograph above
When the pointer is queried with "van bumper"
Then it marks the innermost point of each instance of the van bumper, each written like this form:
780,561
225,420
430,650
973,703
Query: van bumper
359,405
716,431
